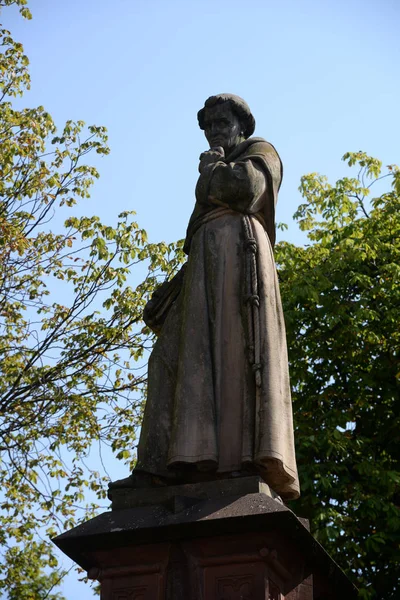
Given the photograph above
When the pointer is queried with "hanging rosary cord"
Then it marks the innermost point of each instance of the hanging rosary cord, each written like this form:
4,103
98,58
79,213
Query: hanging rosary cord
252,299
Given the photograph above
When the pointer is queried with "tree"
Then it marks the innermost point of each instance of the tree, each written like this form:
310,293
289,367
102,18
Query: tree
71,331
341,297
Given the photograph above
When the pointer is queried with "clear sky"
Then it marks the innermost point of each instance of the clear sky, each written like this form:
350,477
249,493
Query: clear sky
322,77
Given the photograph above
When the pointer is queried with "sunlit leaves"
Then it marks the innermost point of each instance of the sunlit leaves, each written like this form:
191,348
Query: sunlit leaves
341,298
70,328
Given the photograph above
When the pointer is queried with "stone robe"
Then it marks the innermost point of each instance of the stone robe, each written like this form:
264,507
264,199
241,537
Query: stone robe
203,407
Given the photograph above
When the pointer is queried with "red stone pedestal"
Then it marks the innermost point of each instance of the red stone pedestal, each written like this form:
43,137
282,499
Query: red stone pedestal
218,547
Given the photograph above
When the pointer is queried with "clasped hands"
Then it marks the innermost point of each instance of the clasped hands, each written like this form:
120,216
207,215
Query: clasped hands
210,157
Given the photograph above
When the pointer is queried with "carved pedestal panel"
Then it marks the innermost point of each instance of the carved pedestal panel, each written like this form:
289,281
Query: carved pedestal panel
133,573
255,566
146,587
221,584
234,567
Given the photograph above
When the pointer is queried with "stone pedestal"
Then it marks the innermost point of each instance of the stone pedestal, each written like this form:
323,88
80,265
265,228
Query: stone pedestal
226,540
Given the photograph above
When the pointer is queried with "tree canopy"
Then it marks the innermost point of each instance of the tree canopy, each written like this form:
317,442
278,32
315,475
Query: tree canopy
341,296
71,330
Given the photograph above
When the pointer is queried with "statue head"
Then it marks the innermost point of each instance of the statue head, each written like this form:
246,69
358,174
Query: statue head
226,120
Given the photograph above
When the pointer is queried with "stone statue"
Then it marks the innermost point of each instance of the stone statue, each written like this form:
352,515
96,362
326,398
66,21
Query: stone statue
219,400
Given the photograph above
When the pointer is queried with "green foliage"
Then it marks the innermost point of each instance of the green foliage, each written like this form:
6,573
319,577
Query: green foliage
70,327
24,10
25,579
341,299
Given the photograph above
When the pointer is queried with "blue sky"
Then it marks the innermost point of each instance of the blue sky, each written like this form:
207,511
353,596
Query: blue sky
321,77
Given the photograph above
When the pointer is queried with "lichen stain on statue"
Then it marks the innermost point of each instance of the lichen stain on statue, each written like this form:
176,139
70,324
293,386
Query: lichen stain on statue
219,401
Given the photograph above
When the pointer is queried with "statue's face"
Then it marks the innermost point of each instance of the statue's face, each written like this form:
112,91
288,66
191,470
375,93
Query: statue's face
222,127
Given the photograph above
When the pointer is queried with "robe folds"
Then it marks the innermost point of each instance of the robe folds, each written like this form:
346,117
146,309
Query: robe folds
204,407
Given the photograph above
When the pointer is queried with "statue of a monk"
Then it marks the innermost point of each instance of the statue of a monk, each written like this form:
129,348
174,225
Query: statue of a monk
219,400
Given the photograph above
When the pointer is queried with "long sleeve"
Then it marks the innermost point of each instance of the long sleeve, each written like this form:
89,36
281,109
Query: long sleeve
241,185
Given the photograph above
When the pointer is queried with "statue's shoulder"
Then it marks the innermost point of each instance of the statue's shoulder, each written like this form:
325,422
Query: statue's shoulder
264,153
260,146
255,146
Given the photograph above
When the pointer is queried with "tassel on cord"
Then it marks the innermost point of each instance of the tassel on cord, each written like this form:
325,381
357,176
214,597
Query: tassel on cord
252,300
